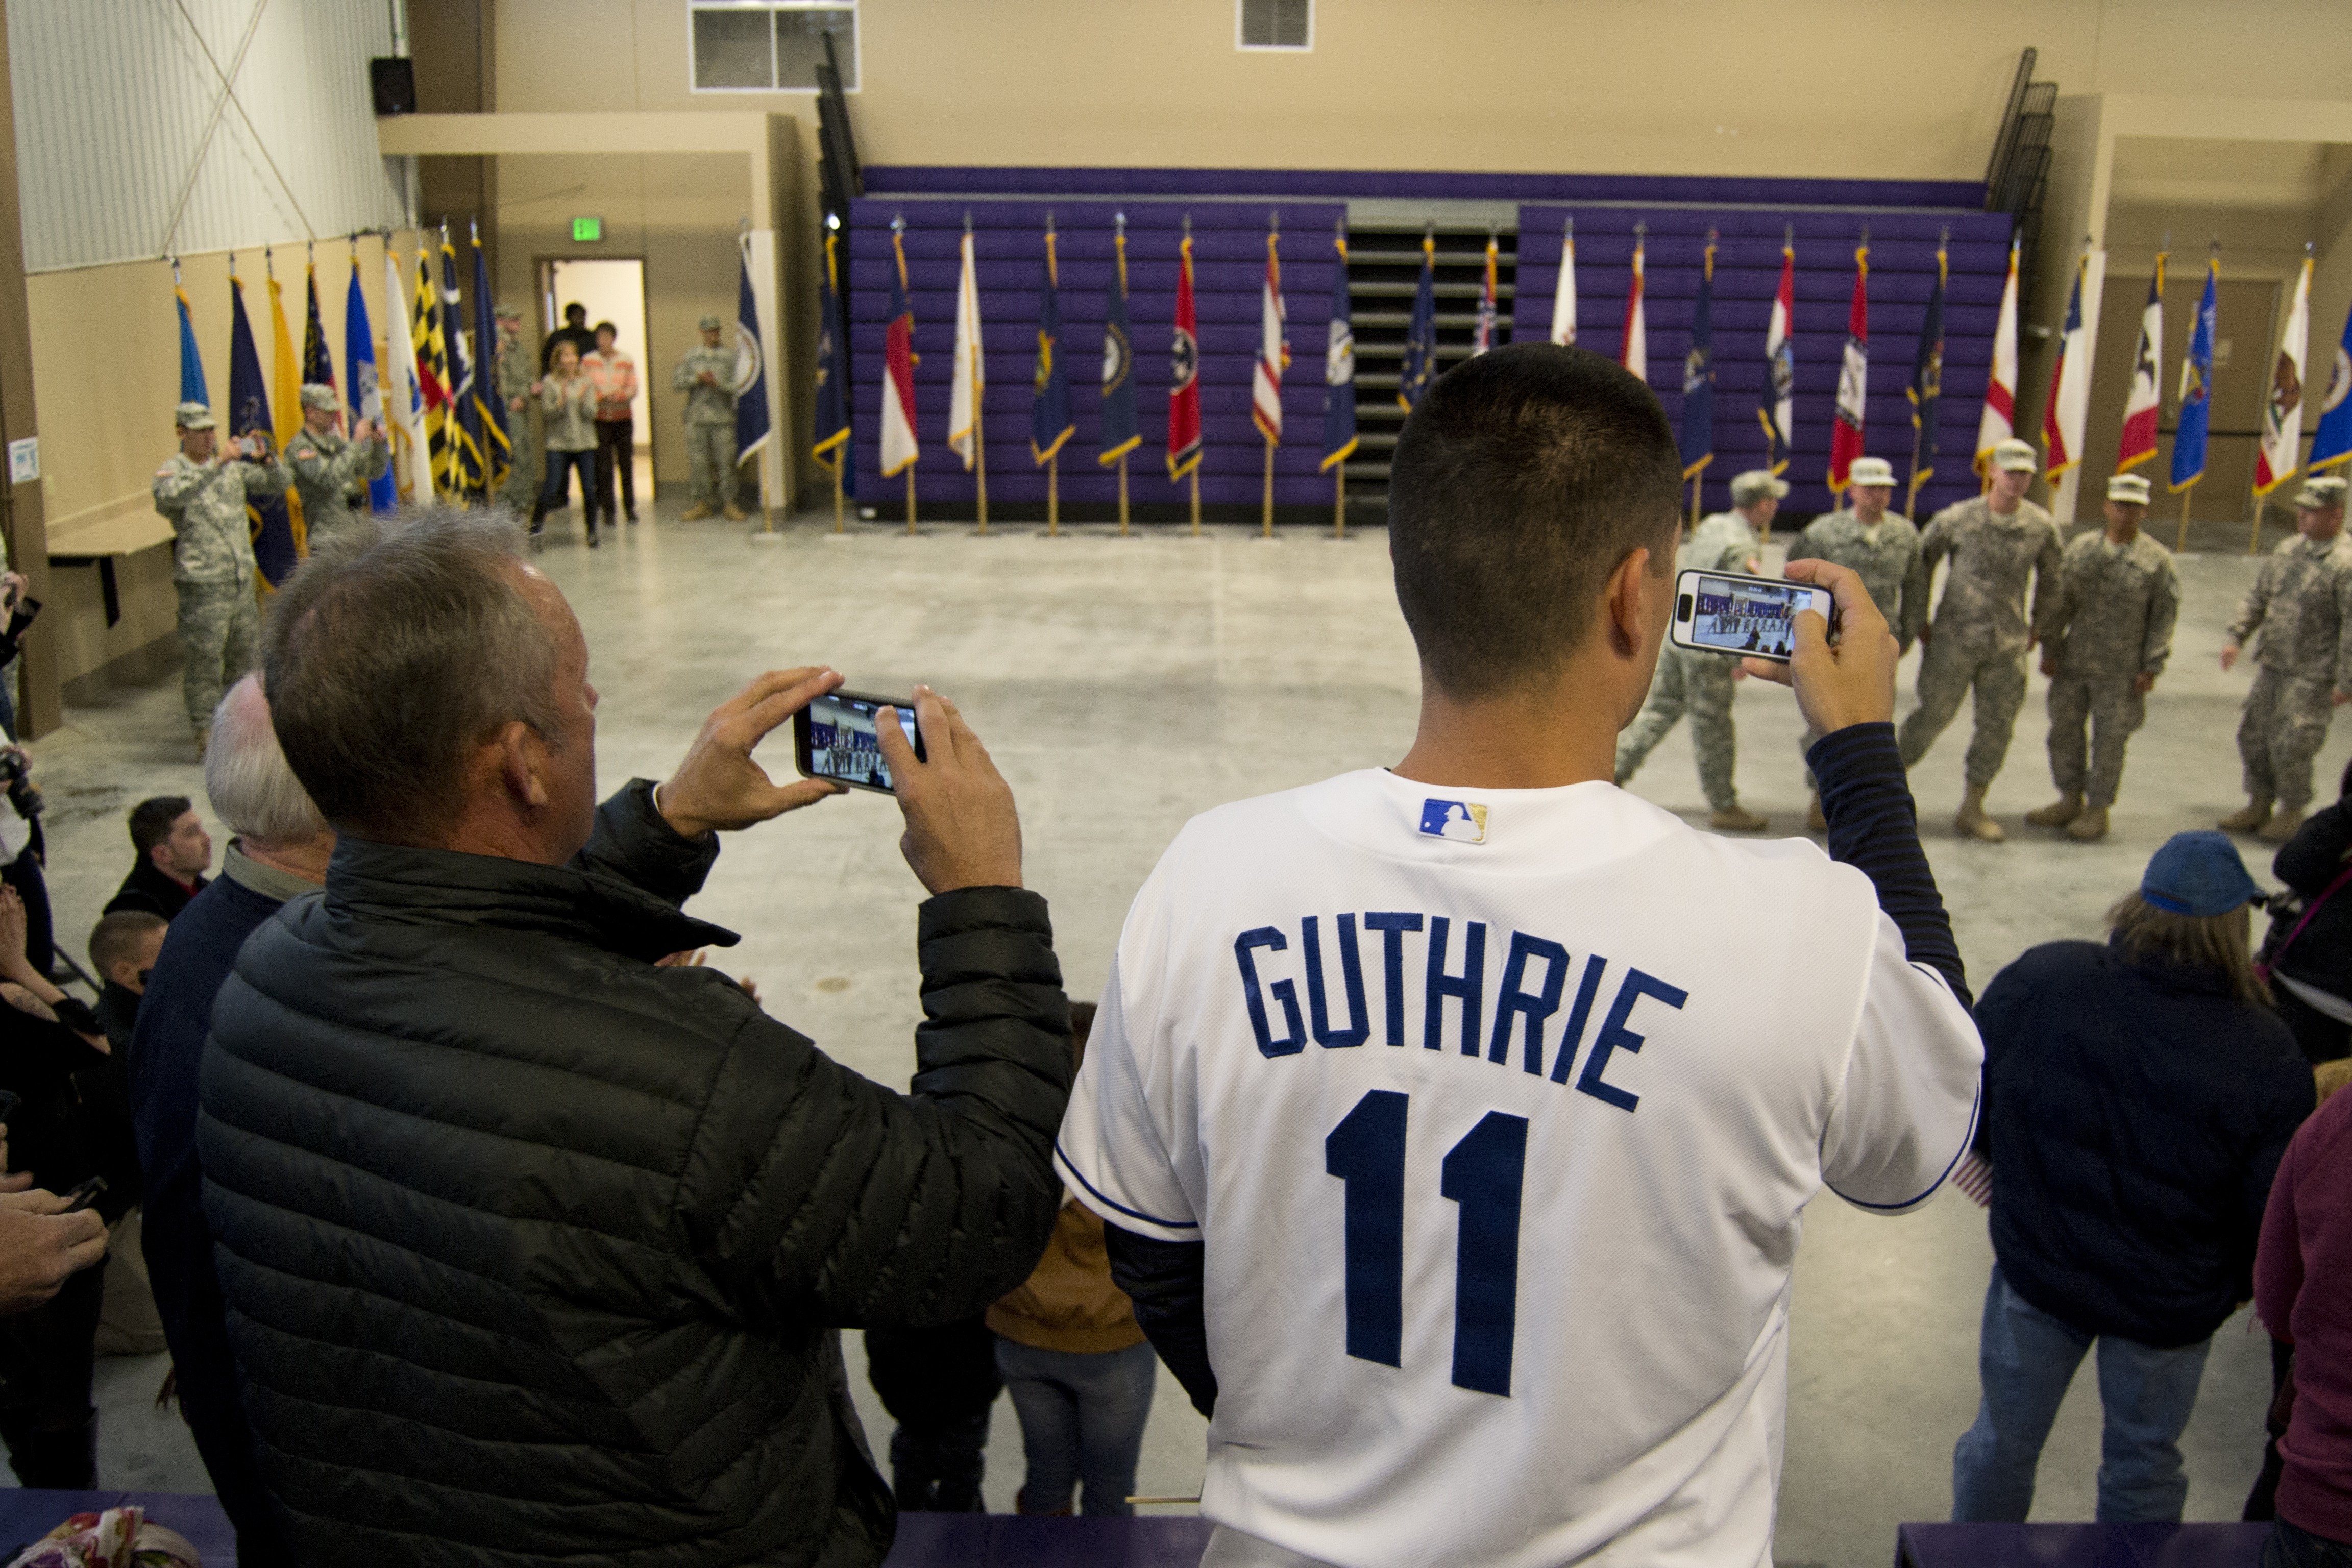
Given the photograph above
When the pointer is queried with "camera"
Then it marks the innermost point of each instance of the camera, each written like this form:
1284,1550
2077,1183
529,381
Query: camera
21,793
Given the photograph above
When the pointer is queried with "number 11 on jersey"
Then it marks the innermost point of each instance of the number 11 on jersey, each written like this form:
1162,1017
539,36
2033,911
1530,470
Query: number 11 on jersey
1483,1175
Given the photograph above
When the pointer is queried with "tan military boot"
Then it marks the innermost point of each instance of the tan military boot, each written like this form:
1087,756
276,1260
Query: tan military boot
2247,818
2281,828
1814,817
2058,813
2091,823
1736,819
1972,822
696,512
736,514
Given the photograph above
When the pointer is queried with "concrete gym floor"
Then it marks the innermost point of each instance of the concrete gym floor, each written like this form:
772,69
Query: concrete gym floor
1124,685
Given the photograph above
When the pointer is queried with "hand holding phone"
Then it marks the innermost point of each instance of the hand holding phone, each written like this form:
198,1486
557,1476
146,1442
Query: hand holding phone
1732,613
962,829
719,787
836,738
1851,681
84,1196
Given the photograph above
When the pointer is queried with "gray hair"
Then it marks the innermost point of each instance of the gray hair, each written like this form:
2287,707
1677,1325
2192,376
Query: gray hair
246,775
395,650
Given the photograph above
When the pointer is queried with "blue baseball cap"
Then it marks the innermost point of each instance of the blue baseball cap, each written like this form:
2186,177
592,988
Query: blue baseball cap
2197,874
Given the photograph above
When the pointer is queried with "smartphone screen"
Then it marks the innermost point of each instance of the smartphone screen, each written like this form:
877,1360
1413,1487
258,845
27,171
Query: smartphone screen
835,738
1752,616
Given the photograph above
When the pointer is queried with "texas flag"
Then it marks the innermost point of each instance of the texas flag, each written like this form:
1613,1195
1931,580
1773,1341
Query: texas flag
1634,355
2147,398
2070,388
1997,422
900,447
1853,377
1272,350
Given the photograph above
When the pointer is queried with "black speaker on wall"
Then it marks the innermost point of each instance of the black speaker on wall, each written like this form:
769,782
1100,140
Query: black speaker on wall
394,82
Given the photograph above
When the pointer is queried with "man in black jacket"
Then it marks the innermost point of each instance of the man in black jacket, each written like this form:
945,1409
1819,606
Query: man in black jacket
175,852
535,1251
2137,1099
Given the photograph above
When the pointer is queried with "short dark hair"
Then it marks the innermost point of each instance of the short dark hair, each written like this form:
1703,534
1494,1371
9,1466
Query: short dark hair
151,820
1522,478
574,308
392,652
603,327
116,938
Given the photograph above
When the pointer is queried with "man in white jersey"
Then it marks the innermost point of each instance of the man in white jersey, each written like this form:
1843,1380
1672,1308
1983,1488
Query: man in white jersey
1454,1121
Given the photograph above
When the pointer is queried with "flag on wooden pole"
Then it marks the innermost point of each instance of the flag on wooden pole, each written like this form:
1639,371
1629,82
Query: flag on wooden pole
2332,443
366,396
2282,449
1049,406
404,402
274,550
318,365
1777,409
1273,347
1998,422
1698,375
1340,365
1927,389
286,400
489,408
2145,402
900,447
1120,432
1482,338
829,442
1184,383
1564,294
467,463
970,375
2196,388
432,372
2064,411
1854,375
1633,350
1420,336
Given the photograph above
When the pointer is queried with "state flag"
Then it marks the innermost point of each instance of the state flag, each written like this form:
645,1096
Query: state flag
366,397
2196,387
969,380
2064,411
1927,389
2332,443
286,400
1185,372
192,364
831,434
1482,338
489,408
1420,336
2281,445
1633,350
1339,368
318,365
1698,375
755,362
275,551
1853,377
1564,294
1121,433
1997,422
1777,409
466,462
1273,348
900,447
431,374
1049,406
404,400
2146,400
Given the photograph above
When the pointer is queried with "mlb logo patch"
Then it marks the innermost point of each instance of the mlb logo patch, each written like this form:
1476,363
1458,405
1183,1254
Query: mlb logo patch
1462,819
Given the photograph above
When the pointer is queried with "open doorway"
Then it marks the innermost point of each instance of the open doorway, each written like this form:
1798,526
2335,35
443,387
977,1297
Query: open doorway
612,289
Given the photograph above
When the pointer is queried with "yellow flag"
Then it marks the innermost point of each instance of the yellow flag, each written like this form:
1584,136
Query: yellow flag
286,404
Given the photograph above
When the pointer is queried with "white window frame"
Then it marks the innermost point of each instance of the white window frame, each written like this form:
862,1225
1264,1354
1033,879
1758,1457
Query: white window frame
769,8
1249,48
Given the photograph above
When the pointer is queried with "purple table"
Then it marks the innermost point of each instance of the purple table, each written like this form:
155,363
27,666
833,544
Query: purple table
26,1516
1003,1540
2080,1545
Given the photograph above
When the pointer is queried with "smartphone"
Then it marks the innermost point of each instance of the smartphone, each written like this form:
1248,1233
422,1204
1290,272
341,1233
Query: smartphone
833,738
1752,617
82,1196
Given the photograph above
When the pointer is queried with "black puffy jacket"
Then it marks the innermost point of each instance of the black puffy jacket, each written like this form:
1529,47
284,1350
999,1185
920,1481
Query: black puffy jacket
534,1253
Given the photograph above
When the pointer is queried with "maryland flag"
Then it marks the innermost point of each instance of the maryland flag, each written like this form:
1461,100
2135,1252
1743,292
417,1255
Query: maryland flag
433,376
466,464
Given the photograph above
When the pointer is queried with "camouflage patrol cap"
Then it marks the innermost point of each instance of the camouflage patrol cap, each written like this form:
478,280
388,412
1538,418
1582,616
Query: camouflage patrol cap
508,312
710,324
314,395
1755,485
2130,489
2016,457
192,416
2321,492
1871,471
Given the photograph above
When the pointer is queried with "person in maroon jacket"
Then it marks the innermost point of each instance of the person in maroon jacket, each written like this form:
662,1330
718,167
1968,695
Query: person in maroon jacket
2302,1293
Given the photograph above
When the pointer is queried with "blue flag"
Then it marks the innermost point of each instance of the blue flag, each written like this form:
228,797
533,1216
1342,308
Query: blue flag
2332,443
1120,434
249,414
832,373
751,427
1927,389
489,407
1049,406
2196,385
1421,338
1339,368
1698,375
192,364
367,400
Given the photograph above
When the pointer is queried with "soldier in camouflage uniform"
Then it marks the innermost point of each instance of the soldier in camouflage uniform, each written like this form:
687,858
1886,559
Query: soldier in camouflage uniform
211,554
513,370
1701,683
1882,548
1980,635
332,472
703,375
2303,602
2118,596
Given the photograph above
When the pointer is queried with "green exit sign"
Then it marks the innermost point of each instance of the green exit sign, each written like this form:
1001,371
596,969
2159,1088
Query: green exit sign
587,230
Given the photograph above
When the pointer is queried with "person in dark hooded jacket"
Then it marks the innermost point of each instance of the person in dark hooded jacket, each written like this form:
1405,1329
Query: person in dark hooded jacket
535,1250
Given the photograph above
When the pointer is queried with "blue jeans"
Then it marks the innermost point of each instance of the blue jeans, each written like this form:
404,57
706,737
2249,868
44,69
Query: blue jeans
2289,1547
2026,1358
557,492
1081,1416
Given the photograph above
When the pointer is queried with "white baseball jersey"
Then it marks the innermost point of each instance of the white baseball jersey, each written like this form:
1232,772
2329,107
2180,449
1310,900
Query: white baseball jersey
1498,1112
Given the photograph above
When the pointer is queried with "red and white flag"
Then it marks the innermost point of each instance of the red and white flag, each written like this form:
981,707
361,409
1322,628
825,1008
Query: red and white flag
1776,410
1997,422
2282,410
1184,378
2147,398
1853,377
1563,294
2069,402
900,447
1272,351
1634,354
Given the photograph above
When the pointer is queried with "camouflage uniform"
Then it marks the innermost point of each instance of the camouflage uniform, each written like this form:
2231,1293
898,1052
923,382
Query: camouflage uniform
331,473
212,567
1886,557
2113,624
1699,683
2302,601
709,424
1980,633
515,370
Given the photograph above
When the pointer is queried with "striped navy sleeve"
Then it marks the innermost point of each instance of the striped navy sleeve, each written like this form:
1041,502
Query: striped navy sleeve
1874,827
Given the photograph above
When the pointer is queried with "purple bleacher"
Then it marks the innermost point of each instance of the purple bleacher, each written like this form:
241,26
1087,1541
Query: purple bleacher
1008,208
1747,277
2080,1545
1009,1540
